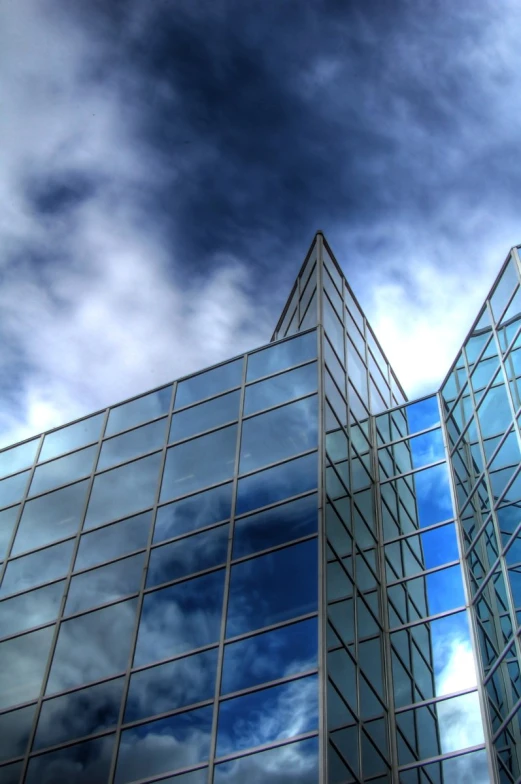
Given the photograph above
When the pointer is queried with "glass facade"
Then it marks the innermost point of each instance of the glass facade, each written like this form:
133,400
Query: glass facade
275,571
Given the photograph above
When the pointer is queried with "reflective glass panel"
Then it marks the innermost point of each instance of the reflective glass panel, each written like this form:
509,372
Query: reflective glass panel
137,411
105,584
63,470
209,383
131,444
261,594
205,460
121,538
51,517
275,526
11,774
299,761
79,713
433,497
180,618
92,646
205,416
271,655
192,513
279,389
423,414
7,524
39,567
172,685
280,356
30,609
268,715
427,448
71,437
275,484
15,728
165,744
12,489
18,457
83,763
504,289
25,659
123,491
188,555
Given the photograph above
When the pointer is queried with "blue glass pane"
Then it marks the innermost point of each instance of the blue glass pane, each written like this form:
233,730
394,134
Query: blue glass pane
440,546
275,484
25,659
105,584
83,763
131,444
15,728
275,526
203,461
63,470
30,609
188,555
280,356
180,618
172,685
269,656
12,489
268,715
422,415
494,412
279,389
163,745
427,448
71,437
445,590
209,383
299,761
18,457
433,495
7,523
114,540
192,513
275,435
39,567
137,411
205,416
250,607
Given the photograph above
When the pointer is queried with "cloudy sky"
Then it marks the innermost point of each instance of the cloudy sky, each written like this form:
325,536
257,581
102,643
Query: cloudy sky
164,166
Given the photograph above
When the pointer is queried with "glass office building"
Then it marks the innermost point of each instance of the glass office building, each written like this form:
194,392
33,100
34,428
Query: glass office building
274,571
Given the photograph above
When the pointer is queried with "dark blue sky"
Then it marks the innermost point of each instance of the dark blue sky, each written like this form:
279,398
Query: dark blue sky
165,166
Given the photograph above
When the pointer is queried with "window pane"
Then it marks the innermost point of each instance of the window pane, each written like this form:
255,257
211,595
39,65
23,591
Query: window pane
260,593
427,448
18,457
30,609
113,541
137,411
279,389
209,383
83,763
202,461
205,416
268,715
12,489
25,659
11,774
51,517
7,524
433,495
92,646
105,584
275,526
15,728
39,567
192,513
129,445
269,656
63,470
189,555
274,484
79,714
123,490
299,761
282,355
173,685
71,437
180,618
422,415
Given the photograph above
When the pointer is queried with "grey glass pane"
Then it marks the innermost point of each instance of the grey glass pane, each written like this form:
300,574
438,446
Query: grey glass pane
293,384
275,526
261,594
18,457
192,513
7,524
71,437
11,774
79,713
51,517
30,609
39,567
105,584
92,646
25,659
311,315
113,540
12,489
131,444
269,656
180,618
268,715
137,411
209,383
15,728
123,491
163,745
334,329
296,762
504,289
188,555
280,356
63,470
275,484
83,763
205,460
205,416
172,685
